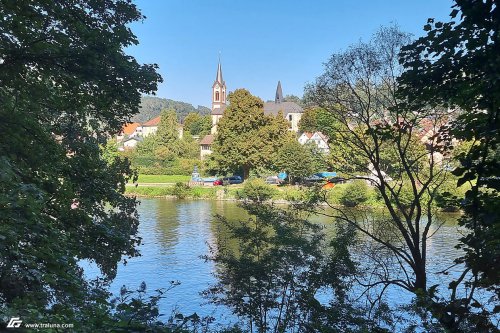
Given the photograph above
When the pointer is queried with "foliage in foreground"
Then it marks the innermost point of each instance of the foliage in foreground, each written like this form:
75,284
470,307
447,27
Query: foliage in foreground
272,279
65,85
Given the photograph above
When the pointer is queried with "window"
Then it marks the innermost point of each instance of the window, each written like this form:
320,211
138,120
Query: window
223,96
216,96
290,117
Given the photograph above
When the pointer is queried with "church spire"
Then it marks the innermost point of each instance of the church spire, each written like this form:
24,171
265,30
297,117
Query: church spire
218,98
218,78
279,94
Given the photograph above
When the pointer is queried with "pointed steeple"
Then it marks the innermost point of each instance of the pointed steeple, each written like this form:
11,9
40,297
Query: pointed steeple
279,94
218,78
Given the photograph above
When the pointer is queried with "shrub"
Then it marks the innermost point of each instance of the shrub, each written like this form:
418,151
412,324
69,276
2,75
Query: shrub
354,193
257,190
181,190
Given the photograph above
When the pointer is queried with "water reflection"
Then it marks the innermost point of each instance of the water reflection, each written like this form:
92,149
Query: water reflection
176,233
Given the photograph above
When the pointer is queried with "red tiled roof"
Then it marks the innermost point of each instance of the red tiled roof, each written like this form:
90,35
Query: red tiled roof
130,128
308,134
207,140
152,122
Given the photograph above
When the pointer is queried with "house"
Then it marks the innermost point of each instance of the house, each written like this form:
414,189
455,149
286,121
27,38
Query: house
151,127
129,130
132,142
206,146
317,138
291,111
304,137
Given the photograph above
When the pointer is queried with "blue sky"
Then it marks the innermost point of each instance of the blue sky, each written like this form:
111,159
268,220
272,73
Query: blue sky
261,41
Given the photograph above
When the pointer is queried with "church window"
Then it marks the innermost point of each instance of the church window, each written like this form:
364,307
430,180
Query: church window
223,96
217,96
290,117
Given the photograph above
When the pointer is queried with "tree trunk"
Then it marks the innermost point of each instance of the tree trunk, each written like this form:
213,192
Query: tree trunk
246,172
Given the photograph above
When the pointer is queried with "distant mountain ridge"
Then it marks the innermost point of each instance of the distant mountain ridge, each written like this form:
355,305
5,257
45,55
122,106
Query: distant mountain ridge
151,107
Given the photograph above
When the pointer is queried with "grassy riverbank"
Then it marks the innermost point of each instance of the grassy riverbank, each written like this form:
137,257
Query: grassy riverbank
233,192
148,179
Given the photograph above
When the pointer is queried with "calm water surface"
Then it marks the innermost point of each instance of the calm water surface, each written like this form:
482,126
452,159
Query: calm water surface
176,233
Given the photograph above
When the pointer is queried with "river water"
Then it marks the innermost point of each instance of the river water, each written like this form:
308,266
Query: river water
176,233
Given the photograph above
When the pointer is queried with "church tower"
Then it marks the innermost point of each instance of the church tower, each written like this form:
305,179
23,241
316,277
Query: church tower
218,98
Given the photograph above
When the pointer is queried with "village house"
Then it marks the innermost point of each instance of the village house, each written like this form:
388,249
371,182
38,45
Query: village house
317,138
133,133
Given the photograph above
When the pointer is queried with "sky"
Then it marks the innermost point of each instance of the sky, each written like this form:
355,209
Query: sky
261,41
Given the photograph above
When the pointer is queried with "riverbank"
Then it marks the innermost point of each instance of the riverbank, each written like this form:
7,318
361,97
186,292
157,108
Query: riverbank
280,194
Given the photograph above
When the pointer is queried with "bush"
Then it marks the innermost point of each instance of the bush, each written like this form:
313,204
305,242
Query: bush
354,193
257,190
181,190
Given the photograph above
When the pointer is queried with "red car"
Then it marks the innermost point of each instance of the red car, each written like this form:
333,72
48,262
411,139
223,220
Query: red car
218,182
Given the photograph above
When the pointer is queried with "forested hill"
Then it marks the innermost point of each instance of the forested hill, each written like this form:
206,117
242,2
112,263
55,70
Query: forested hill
152,106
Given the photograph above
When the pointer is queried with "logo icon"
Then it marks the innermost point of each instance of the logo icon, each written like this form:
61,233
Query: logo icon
14,322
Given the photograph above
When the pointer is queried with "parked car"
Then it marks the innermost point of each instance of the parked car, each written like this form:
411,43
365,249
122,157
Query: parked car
228,180
273,180
312,180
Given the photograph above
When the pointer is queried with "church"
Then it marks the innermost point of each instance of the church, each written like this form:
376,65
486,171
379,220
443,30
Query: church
291,110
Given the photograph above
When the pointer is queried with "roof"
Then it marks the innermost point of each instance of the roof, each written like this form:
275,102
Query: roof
207,140
136,138
130,128
308,134
152,122
219,111
322,136
272,108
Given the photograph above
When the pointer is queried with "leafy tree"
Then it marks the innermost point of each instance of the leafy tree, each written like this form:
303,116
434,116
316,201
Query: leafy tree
309,122
190,119
273,278
295,159
456,65
293,98
198,125
246,138
167,134
203,126
189,147
359,89
65,85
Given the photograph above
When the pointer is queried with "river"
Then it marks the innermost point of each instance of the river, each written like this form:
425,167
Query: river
176,233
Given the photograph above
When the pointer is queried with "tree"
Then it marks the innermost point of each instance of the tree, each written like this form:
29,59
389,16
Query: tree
196,124
295,159
272,279
293,98
359,89
309,122
457,65
168,133
190,119
66,85
246,138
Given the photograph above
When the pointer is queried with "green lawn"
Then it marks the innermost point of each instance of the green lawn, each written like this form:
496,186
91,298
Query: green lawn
163,178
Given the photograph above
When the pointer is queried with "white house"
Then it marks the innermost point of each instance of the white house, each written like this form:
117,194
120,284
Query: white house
132,142
318,138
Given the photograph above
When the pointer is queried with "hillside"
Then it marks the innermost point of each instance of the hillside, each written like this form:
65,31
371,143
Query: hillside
152,106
